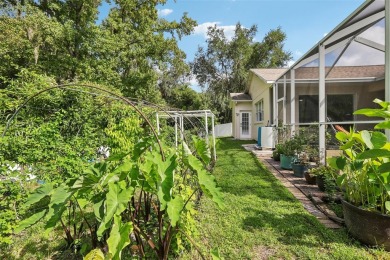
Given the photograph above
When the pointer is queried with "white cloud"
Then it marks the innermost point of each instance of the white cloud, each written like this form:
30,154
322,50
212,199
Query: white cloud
194,84
290,63
298,53
202,29
164,12
324,34
375,33
358,55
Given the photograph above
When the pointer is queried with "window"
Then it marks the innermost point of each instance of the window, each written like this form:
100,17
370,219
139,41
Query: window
338,108
308,108
260,111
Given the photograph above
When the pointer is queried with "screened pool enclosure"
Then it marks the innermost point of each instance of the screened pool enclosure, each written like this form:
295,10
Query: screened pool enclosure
345,71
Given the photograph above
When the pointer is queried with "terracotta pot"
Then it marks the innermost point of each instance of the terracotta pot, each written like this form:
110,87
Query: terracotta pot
310,179
369,227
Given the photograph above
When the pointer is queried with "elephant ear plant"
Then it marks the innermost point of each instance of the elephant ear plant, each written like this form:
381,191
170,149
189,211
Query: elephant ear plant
145,195
365,164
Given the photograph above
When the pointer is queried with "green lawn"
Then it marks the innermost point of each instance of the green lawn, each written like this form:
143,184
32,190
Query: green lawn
263,220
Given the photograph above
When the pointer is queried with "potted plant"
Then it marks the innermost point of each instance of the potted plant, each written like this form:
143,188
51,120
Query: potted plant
300,164
277,152
324,175
364,179
287,156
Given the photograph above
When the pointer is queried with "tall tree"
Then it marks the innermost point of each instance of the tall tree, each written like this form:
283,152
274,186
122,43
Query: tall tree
223,66
132,49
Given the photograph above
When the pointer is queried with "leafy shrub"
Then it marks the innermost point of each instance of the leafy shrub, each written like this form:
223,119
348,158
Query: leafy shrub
148,193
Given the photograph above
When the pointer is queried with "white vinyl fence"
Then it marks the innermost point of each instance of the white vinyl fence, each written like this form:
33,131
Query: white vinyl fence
224,130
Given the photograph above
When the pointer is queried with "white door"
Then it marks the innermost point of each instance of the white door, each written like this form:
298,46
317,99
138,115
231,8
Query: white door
245,125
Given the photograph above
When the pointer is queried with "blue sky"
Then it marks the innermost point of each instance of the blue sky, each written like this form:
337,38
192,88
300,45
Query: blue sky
304,21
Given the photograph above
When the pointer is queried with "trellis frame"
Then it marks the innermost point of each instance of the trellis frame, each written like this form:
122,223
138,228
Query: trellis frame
179,116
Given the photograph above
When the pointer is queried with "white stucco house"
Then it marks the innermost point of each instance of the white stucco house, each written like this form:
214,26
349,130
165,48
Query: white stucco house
254,107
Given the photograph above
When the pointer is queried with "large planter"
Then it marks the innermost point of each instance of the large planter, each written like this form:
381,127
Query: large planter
369,227
298,169
286,161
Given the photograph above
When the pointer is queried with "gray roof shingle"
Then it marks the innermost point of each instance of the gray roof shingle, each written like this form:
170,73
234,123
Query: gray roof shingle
240,97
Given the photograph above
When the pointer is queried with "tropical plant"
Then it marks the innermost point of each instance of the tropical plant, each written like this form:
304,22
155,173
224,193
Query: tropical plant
365,163
147,193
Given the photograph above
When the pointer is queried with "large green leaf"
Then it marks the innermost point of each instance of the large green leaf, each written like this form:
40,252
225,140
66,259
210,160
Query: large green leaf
166,171
378,139
341,136
115,175
366,136
370,112
119,237
30,221
383,104
95,254
98,209
383,125
58,200
373,154
115,203
39,194
175,206
206,181
385,167
202,149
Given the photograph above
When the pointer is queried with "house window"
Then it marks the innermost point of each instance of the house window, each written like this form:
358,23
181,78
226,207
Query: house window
259,110
308,108
338,108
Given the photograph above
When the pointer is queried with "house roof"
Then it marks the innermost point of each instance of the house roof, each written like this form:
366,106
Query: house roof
240,97
342,72
269,75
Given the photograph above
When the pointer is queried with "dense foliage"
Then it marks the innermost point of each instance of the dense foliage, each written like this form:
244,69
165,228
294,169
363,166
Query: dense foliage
147,194
223,66
132,49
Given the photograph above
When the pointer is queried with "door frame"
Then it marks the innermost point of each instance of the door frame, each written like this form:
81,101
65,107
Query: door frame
249,135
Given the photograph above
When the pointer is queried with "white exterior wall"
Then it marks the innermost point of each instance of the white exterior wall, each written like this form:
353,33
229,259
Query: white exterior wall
258,90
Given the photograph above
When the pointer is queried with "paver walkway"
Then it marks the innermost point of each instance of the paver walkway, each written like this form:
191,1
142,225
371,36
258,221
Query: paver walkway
297,186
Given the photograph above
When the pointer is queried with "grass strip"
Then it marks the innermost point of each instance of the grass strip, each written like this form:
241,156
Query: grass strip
263,220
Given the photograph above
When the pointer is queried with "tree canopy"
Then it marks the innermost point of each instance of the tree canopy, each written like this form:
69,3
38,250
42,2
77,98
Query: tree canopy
223,66
133,49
